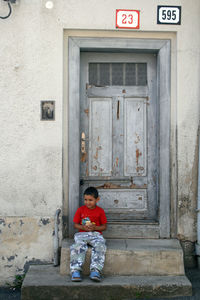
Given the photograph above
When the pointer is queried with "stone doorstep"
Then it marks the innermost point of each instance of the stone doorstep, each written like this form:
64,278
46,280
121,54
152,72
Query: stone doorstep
44,282
134,257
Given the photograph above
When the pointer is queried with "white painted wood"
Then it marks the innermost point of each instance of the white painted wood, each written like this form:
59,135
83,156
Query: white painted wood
100,137
128,137
135,137
116,200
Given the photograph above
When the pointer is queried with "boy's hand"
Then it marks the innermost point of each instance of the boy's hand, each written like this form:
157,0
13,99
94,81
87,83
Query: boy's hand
90,227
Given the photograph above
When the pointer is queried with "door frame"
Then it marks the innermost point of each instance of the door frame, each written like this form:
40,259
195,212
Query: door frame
161,47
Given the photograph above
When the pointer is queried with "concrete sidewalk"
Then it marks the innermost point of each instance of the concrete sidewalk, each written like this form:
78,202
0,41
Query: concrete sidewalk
192,274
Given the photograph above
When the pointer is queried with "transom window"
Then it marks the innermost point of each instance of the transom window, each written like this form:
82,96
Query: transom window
123,74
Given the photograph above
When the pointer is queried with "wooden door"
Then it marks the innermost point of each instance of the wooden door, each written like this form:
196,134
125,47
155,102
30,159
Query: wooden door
118,133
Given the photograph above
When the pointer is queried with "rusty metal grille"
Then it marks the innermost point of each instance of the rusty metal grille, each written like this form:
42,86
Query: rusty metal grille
118,74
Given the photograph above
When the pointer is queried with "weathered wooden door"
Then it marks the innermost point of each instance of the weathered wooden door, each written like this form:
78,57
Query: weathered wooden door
118,133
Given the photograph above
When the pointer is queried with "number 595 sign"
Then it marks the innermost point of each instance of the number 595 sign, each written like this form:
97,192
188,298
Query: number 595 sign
169,15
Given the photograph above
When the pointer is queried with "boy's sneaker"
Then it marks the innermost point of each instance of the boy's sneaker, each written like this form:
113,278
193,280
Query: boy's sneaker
76,276
95,275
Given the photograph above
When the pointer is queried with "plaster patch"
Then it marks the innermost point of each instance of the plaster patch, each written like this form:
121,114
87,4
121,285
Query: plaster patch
11,258
28,240
44,221
2,222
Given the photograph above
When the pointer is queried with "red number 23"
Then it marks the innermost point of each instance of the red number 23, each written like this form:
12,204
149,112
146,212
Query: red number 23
127,18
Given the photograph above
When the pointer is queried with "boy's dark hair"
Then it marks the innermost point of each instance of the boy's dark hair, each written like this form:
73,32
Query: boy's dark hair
92,191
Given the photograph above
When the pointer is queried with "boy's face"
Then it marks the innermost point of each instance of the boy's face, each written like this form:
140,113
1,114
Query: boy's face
90,201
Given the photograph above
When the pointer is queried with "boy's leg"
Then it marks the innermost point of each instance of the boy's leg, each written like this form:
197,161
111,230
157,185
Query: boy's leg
78,251
98,252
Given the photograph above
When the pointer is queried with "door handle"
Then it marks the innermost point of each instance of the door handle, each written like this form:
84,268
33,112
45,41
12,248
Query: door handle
118,110
83,150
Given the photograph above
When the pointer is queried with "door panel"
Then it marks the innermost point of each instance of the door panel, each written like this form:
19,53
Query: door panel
118,125
135,137
100,137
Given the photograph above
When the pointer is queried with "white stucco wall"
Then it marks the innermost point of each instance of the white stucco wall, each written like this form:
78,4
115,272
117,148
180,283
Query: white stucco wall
31,152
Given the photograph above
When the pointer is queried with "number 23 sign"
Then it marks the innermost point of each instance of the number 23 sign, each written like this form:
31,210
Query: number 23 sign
127,18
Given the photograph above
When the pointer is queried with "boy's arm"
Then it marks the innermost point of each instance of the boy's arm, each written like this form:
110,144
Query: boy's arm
101,227
79,226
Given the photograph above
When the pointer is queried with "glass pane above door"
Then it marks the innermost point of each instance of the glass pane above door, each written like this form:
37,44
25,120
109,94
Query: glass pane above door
118,74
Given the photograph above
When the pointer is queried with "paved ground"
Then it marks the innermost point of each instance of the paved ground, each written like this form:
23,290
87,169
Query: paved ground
9,294
193,275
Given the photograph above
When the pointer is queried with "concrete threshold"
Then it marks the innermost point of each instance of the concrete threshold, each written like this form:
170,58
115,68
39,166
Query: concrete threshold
44,282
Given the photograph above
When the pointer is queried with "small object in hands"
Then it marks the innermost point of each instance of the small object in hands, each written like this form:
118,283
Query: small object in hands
84,221
88,223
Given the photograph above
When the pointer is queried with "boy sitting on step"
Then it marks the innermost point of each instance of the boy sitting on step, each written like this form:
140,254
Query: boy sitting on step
90,220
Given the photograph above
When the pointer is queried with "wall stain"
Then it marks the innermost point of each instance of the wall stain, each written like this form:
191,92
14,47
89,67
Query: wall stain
45,221
11,258
2,221
34,261
21,222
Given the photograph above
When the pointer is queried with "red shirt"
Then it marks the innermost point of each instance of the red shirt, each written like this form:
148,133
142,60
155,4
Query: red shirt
96,216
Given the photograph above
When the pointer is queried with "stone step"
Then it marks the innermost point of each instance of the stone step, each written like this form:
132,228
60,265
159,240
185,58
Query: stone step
45,282
134,257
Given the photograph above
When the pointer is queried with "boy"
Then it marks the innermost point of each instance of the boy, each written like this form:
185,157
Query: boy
90,220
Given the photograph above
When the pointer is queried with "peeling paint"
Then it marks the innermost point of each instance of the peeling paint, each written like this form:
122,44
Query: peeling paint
138,169
2,221
45,221
86,111
11,258
137,138
83,157
87,171
20,270
21,222
117,161
110,185
138,154
34,261
26,239
97,152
